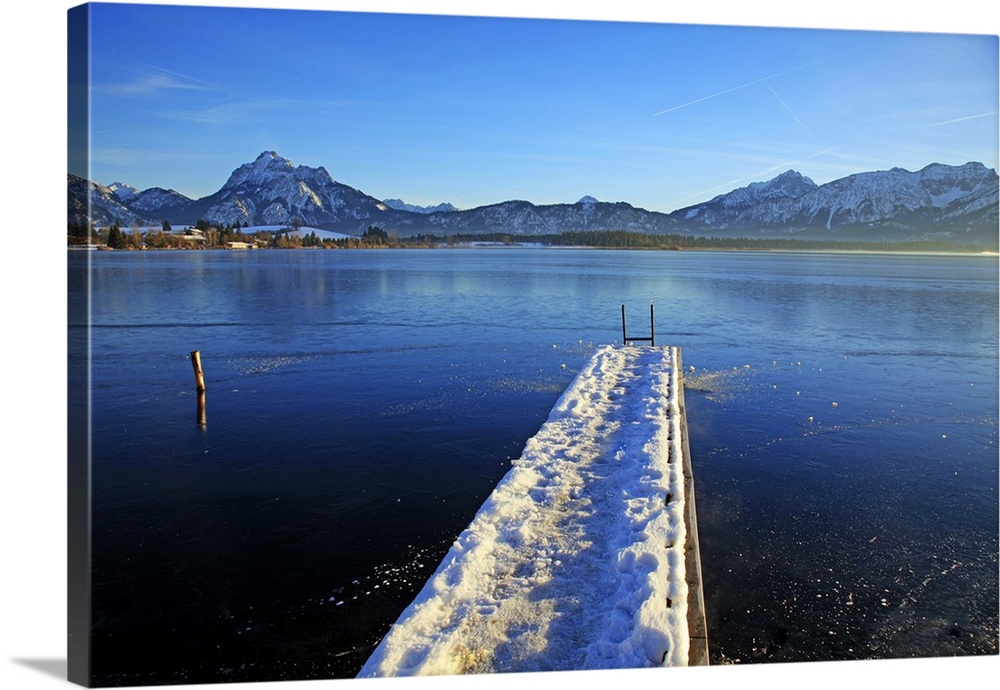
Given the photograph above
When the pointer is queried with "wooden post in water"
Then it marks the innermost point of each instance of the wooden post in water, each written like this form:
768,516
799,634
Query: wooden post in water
200,411
199,385
624,332
199,376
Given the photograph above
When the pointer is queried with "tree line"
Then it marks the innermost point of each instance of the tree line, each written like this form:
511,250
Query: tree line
625,239
215,236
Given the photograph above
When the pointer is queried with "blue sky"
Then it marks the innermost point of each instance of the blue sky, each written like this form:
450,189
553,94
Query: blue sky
477,110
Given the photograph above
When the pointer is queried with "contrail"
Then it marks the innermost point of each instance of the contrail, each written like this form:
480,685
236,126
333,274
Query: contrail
741,86
961,119
794,116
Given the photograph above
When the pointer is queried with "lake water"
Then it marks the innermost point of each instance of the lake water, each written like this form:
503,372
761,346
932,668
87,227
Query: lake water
361,405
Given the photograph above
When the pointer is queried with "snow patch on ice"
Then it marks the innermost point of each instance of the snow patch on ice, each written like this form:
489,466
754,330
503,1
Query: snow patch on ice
720,385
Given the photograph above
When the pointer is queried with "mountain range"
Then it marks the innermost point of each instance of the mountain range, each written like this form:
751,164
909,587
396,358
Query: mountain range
943,202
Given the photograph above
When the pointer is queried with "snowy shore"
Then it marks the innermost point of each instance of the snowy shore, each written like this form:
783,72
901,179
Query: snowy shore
577,559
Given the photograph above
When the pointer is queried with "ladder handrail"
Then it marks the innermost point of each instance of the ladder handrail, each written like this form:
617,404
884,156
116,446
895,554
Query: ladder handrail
652,335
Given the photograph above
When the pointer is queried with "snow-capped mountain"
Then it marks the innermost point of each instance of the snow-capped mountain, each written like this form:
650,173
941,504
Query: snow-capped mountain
736,206
526,218
104,208
157,201
936,200
122,204
935,196
123,192
272,191
939,201
400,205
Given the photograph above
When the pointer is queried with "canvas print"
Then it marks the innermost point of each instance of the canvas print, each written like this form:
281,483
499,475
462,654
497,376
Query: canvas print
425,344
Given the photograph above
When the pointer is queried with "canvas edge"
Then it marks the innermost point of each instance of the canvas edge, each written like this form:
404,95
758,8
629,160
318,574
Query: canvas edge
78,668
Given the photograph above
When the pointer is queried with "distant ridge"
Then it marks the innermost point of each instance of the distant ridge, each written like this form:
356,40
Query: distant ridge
400,205
940,202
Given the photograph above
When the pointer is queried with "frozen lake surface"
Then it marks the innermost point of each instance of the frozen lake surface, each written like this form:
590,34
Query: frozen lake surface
362,406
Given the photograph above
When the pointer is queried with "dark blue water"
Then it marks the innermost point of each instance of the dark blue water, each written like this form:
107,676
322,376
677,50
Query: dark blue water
362,404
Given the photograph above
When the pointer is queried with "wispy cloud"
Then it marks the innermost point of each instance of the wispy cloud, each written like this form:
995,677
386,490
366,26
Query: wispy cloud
130,159
252,110
154,80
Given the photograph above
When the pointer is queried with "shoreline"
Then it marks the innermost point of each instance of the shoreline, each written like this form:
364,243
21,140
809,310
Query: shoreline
480,245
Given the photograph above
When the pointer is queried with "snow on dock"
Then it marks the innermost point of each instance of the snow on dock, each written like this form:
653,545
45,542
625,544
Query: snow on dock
585,554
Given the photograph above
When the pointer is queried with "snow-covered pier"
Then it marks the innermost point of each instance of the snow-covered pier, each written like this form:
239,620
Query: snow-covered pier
585,556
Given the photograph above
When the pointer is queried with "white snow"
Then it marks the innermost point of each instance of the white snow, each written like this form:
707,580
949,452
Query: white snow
576,560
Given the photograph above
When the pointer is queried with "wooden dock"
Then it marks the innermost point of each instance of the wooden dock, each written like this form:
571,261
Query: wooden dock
586,554
697,623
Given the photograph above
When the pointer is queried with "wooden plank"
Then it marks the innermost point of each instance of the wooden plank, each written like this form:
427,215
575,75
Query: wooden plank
697,625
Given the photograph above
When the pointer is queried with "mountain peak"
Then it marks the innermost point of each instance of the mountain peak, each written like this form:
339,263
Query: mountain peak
265,167
788,185
123,191
789,175
790,178
400,205
587,200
